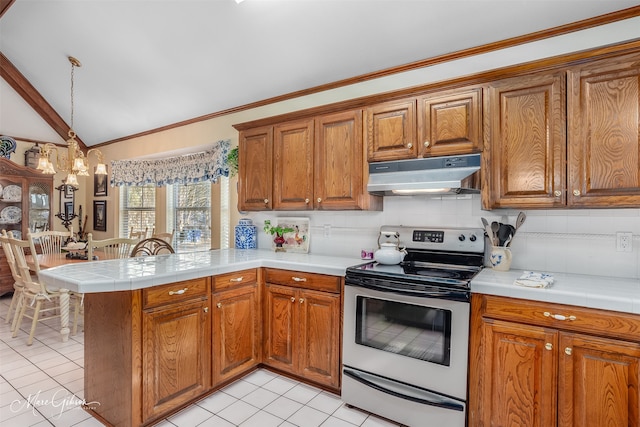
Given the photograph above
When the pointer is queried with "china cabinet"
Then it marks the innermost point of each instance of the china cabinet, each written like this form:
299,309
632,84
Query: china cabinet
543,364
302,325
25,205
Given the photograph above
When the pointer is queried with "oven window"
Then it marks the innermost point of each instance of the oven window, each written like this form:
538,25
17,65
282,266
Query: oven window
410,330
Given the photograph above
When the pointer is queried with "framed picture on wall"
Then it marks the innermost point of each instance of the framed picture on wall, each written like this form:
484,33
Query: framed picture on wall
100,215
99,183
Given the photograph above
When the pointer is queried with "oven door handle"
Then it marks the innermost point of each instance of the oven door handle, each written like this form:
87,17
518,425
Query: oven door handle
434,292
419,395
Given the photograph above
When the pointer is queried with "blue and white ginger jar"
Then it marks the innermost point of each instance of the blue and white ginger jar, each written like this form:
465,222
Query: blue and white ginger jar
246,234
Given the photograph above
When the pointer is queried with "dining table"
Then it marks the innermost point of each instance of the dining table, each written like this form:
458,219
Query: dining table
46,261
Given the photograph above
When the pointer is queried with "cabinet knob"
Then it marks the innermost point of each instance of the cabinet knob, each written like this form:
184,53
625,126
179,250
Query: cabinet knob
306,201
219,305
548,346
568,350
266,201
409,145
576,193
301,300
319,200
427,144
206,309
557,193
293,299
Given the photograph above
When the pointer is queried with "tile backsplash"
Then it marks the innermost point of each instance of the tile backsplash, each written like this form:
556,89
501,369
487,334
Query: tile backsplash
568,241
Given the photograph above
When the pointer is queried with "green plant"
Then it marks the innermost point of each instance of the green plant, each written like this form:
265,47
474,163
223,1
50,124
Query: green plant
276,229
232,162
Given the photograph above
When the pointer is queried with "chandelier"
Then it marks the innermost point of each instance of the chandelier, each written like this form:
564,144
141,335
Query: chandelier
74,161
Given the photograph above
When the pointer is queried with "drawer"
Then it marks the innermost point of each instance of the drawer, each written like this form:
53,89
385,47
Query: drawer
563,317
298,279
224,281
174,292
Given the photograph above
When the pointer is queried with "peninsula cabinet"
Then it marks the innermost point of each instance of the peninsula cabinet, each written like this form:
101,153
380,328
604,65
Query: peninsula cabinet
302,325
543,364
25,204
565,139
236,324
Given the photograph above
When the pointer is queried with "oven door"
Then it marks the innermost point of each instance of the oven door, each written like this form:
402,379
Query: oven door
422,342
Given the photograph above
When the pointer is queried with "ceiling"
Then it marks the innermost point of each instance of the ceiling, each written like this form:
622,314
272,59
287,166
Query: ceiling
152,63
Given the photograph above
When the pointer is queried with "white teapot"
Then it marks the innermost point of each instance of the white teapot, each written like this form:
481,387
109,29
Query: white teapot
389,253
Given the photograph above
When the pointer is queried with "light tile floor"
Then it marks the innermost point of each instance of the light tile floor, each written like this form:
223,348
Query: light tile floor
42,385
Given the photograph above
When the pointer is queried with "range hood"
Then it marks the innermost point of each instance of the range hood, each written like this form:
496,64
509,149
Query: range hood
433,175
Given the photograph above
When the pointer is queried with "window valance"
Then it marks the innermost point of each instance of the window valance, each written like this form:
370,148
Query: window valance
203,166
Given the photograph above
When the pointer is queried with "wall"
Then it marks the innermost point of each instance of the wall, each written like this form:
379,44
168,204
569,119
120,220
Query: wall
580,241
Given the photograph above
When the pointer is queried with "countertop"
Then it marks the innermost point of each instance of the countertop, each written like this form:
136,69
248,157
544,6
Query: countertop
608,293
144,272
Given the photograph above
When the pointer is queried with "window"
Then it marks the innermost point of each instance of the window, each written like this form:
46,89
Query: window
137,208
189,214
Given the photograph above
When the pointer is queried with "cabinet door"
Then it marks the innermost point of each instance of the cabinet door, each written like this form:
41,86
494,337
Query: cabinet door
320,337
338,161
524,157
176,364
391,131
604,133
599,382
293,166
280,327
255,169
450,123
519,366
236,332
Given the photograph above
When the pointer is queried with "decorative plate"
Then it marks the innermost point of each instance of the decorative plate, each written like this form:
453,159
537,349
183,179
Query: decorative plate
0,189
12,193
296,240
11,215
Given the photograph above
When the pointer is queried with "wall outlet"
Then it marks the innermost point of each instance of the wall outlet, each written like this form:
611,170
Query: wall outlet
624,242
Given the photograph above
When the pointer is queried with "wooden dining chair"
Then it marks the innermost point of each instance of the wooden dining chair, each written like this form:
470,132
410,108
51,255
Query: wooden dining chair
167,237
152,246
138,234
50,242
16,299
37,299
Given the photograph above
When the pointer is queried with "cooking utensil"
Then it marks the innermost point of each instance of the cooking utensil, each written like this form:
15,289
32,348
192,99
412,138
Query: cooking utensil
520,220
508,241
487,229
504,232
495,226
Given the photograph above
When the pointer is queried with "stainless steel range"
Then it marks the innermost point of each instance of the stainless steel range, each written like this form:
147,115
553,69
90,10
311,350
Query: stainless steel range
406,327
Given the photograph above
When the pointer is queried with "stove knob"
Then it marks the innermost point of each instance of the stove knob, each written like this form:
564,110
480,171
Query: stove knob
473,237
461,237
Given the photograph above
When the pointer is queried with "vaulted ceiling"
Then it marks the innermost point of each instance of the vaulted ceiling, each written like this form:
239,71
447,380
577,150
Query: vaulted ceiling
154,63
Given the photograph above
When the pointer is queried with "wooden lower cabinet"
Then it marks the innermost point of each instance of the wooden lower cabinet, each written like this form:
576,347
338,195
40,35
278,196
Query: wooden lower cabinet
528,368
302,330
176,365
236,332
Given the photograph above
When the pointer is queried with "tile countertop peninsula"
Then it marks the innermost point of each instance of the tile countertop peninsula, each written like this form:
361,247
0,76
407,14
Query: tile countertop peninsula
608,293
143,272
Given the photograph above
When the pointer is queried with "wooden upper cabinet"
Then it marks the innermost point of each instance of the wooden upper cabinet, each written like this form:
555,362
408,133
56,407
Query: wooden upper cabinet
391,131
293,165
255,169
339,163
450,123
523,160
604,133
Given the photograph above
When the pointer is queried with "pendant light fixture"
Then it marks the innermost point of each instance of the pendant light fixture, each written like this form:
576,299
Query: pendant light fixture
74,161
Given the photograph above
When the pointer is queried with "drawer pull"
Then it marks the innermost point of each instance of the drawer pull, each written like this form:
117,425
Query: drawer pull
299,279
548,346
559,316
237,279
180,292
568,350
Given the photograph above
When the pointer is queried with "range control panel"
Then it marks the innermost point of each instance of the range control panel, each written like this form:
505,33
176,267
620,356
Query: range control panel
435,238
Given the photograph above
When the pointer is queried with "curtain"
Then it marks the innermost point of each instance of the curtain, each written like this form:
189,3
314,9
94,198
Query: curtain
203,166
